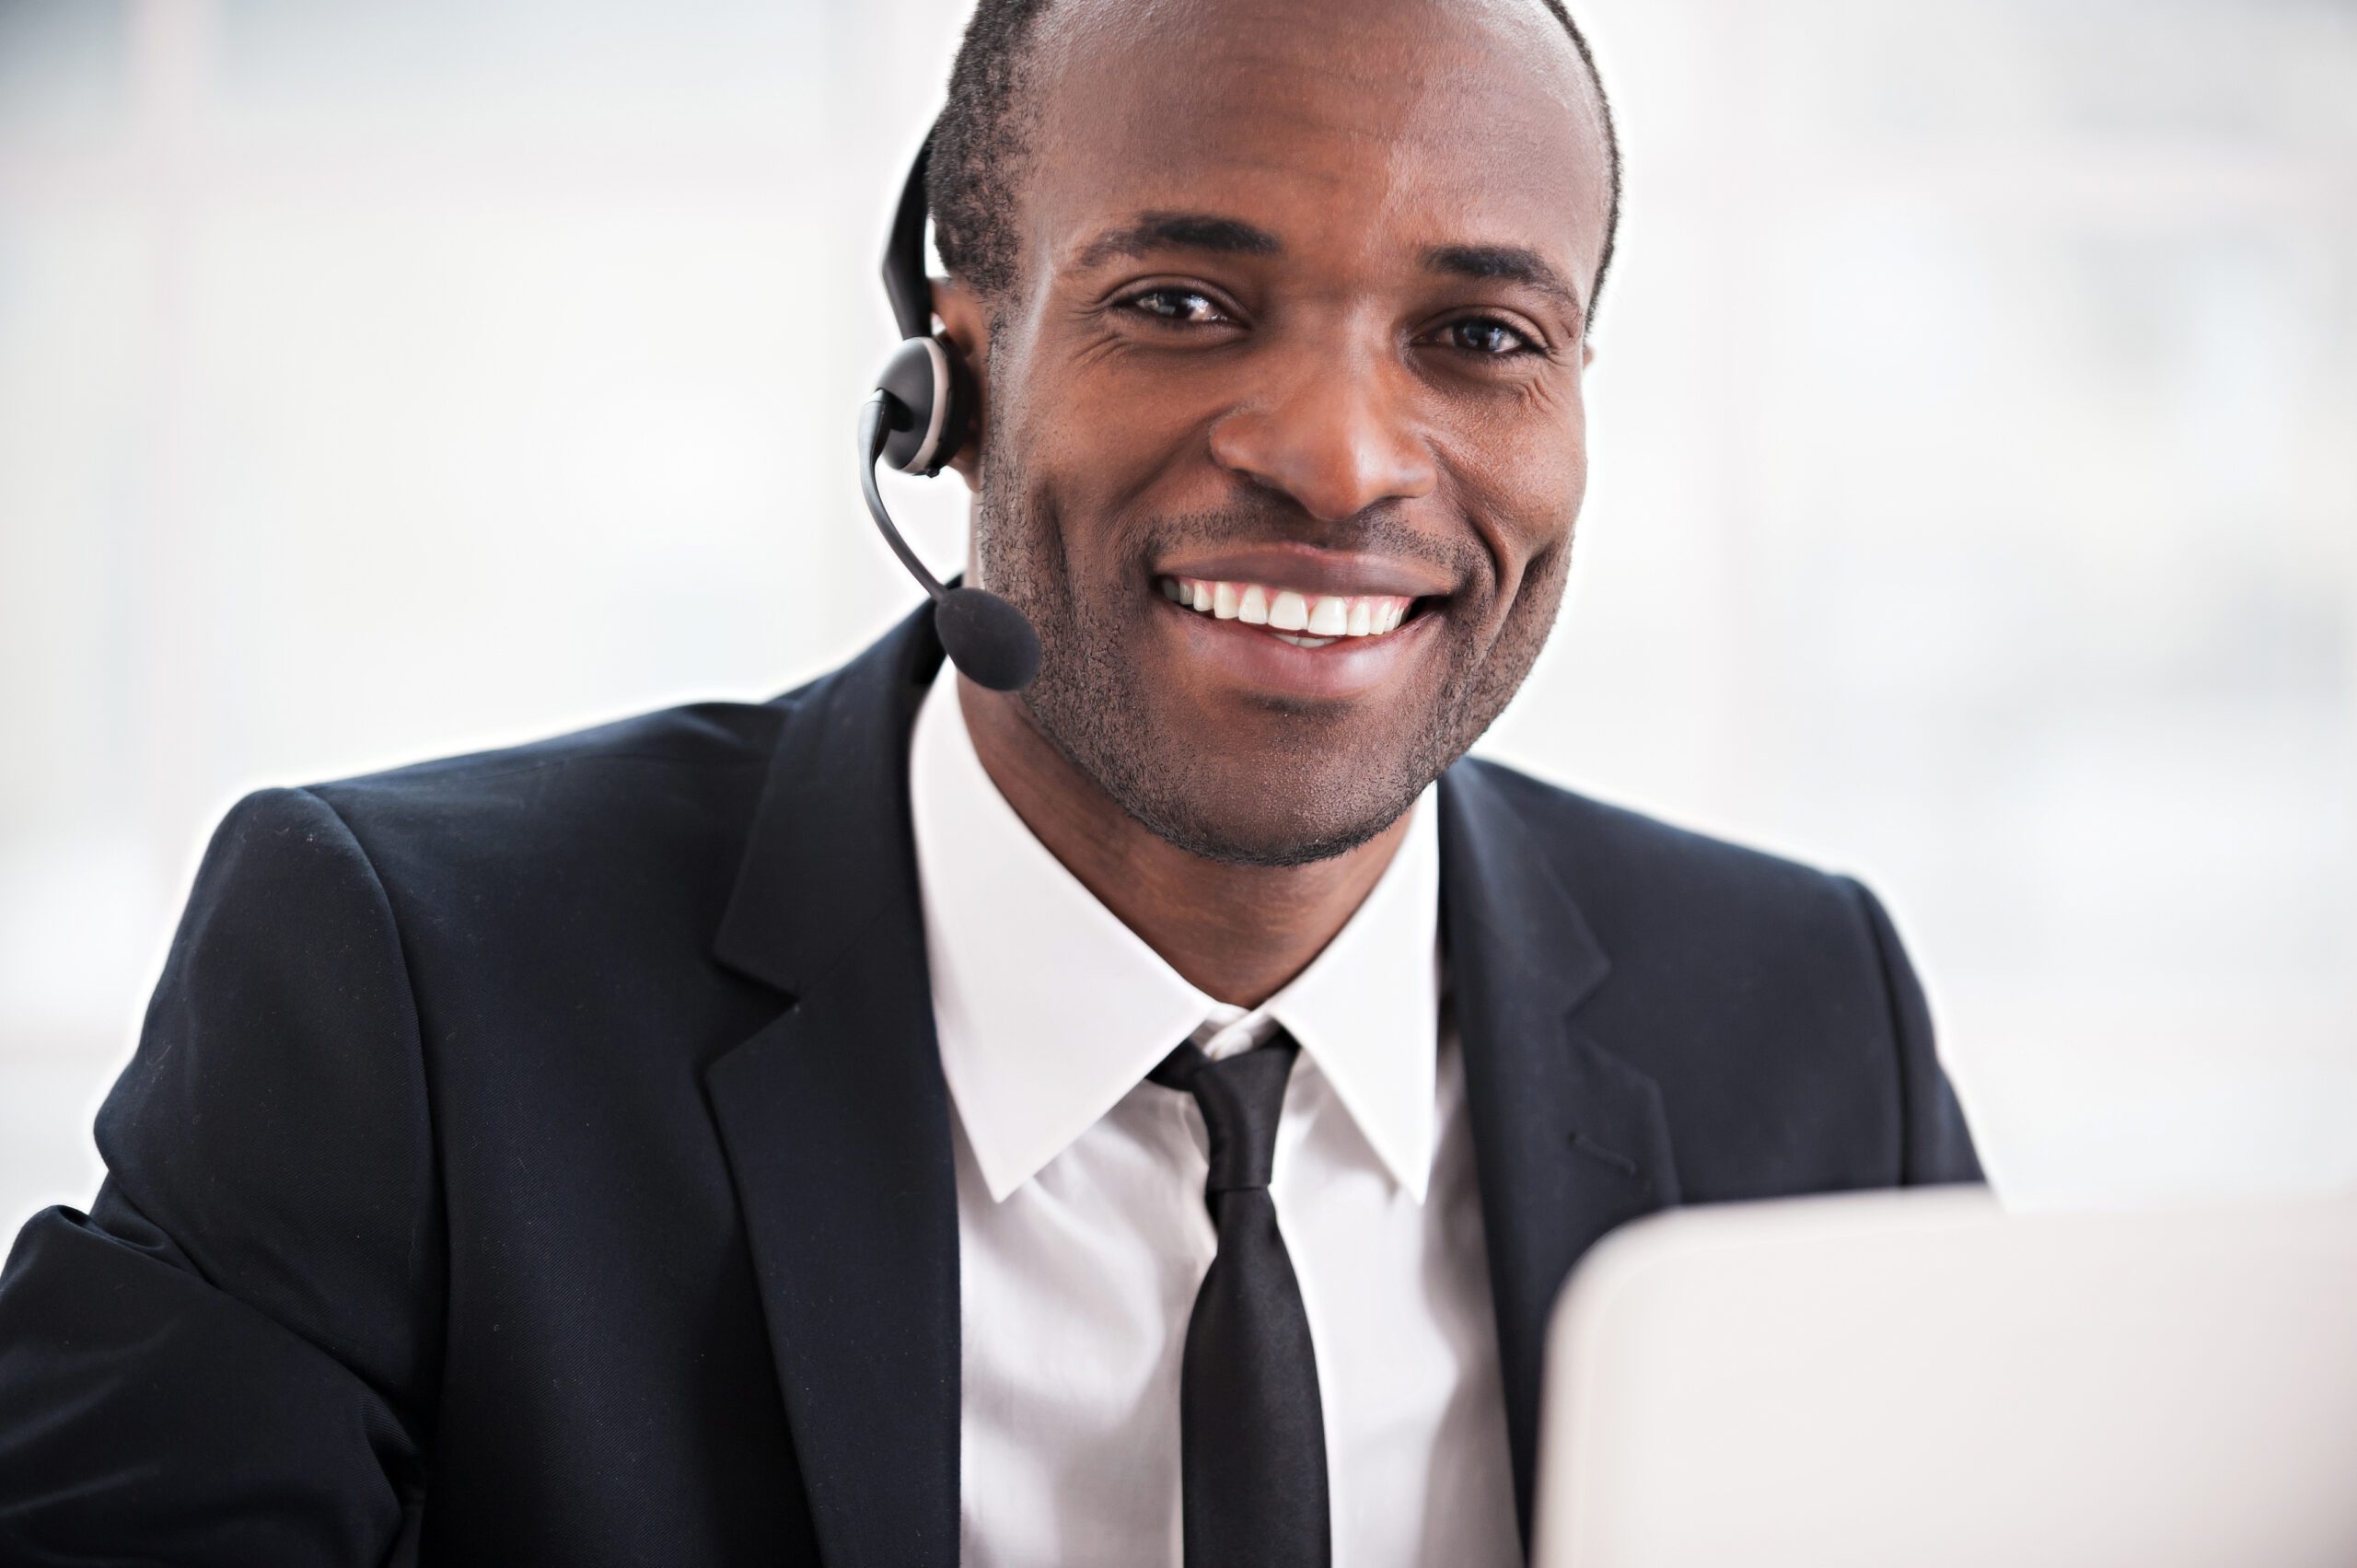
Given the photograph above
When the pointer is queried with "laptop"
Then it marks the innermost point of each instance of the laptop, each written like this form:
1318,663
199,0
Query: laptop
1921,1380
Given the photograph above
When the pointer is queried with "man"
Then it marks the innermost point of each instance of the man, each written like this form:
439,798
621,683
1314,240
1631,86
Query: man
1139,1120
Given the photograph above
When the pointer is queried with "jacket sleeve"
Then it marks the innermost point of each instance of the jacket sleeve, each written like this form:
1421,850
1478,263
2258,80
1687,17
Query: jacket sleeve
1935,1147
228,1360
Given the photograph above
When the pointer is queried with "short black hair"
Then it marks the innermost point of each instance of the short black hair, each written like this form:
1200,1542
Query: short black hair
980,146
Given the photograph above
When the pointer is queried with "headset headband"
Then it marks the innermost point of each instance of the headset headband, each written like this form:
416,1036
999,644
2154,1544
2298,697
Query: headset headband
904,276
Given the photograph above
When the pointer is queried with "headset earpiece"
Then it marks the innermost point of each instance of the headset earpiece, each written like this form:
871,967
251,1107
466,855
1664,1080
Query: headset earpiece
929,378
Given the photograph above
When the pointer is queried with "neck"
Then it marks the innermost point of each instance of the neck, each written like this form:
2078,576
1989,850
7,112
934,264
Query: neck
1235,932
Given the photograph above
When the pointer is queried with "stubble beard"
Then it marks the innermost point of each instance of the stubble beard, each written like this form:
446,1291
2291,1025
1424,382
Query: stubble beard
1092,700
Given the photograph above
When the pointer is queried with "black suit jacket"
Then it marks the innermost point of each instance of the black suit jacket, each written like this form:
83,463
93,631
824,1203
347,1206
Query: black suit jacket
542,1158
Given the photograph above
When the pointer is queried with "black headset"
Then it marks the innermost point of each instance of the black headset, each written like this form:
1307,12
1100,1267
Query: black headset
917,420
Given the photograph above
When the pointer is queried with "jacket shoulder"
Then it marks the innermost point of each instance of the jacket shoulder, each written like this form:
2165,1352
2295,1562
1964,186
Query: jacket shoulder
580,767
1764,997
637,811
1626,861
694,735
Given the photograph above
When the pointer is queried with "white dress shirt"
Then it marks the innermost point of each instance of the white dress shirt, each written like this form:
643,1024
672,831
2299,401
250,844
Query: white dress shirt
1082,1230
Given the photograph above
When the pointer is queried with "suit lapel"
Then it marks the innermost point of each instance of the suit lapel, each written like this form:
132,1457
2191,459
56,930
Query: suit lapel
835,1119
1569,1140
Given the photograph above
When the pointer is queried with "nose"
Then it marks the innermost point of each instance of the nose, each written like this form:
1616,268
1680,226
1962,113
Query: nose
1336,437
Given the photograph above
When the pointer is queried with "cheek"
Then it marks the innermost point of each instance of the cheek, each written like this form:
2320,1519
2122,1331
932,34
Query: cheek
1522,480
1051,433
1107,480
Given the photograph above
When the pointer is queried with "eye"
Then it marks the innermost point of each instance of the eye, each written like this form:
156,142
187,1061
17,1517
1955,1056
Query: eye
1180,306
1487,336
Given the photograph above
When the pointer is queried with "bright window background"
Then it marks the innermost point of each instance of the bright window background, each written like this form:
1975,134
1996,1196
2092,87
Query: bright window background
1973,499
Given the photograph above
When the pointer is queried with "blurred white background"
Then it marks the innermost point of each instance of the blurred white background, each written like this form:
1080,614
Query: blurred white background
1975,455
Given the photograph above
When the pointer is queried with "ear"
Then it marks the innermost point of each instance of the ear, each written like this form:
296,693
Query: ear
965,323
1587,354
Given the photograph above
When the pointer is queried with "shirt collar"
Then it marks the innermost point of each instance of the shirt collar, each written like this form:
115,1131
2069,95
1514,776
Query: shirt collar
1049,1009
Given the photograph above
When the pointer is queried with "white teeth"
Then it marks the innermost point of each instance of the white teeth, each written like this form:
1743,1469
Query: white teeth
1308,620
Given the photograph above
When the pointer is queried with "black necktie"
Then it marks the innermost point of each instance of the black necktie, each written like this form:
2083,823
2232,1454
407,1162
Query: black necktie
1251,1433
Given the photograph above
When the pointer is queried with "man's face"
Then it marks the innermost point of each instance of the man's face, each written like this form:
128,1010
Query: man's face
1298,336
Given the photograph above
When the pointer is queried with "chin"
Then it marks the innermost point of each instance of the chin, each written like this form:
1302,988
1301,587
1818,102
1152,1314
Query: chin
1269,813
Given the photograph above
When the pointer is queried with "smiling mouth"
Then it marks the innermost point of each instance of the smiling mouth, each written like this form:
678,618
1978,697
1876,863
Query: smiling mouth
1306,620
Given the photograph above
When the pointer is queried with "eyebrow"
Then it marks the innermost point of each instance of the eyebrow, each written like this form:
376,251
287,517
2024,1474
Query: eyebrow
1181,231
1515,263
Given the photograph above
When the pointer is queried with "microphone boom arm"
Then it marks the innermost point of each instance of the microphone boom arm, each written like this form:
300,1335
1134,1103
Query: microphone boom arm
875,428
988,639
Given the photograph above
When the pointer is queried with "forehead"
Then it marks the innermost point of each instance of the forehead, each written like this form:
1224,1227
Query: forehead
1346,127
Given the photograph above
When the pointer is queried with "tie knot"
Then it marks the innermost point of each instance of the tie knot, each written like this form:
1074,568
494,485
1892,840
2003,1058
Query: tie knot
1241,1098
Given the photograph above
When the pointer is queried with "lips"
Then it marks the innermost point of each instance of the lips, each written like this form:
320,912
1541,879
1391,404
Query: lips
1297,623
1304,620
1308,596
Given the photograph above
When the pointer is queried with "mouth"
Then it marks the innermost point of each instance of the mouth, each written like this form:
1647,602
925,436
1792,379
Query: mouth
1287,623
1290,615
